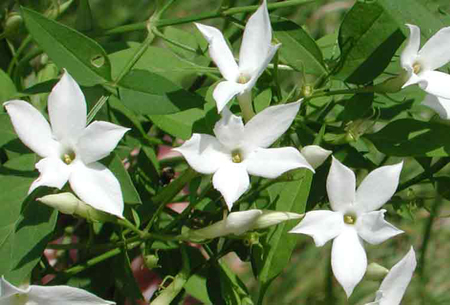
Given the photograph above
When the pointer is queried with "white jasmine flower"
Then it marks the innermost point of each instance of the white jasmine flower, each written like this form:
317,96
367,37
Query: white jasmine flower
47,295
239,150
240,222
255,54
354,218
70,149
395,283
421,65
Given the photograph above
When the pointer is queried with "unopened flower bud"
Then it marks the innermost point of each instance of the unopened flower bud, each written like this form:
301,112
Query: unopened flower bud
315,155
393,84
271,218
238,223
376,272
307,90
151,261
12,25
67,203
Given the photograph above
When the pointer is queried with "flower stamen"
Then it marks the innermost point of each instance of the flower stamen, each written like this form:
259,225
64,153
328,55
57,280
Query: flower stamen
350,219
243,79
236,156
416,68
68,157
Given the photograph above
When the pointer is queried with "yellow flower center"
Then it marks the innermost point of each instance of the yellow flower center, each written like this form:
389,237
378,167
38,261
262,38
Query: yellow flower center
236,156
243,79
416,68
20,298
68,157
349,219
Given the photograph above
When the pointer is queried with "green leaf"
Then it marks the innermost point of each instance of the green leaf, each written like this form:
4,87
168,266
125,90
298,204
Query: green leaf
413,12
368,38
148,93
7,88
125,282
298,49
25,226
196,287
7,133
130,195
178,70
357,107
408,137
181,124
263,100
278,245
84,58
84,16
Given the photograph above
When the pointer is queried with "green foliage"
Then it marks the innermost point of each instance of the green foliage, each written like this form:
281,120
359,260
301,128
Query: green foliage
150,70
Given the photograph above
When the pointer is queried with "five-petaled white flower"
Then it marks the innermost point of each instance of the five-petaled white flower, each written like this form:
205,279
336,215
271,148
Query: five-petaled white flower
47,295
396,281
420,65
255,54
354,218
70,149
239,150
240,222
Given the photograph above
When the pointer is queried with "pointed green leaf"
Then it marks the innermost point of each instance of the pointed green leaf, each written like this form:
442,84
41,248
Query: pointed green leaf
148,93
298,49
408,137
83,57
25,225
278,245
368,38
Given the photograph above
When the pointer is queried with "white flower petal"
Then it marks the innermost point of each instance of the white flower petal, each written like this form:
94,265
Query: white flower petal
348,259
315,155
240,222
414,79
270,124
97,186
436,51
322,226
272,162
229,130
436,83
57,295
395,283
32,128
374,229
54,173
231,180
262,66
204,153
7,289
220,52
225,91
378,187
98,140
256,41
438,104
67,110
411,49
341,185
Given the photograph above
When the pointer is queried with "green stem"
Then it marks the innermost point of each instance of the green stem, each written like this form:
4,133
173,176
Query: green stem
424,175
170,292
423,251
210,15
96,108
169,192
367,89
137,55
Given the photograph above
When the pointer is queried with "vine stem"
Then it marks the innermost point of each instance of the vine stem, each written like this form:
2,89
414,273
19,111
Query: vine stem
210,15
